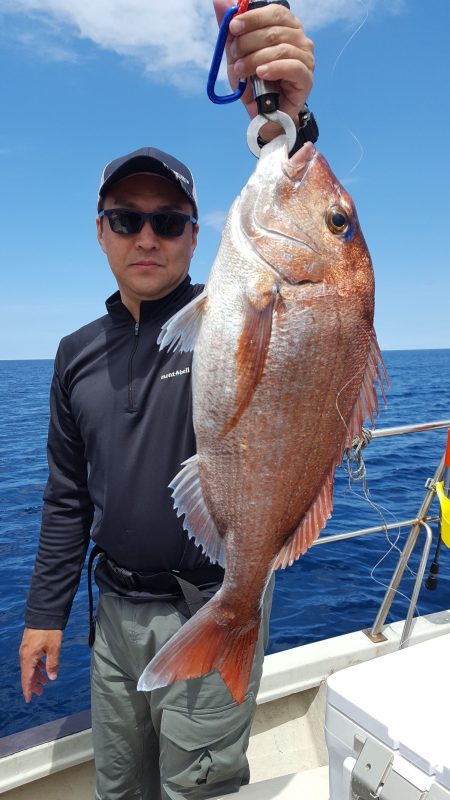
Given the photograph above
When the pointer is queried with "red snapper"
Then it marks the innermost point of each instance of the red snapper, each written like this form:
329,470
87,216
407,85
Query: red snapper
284,369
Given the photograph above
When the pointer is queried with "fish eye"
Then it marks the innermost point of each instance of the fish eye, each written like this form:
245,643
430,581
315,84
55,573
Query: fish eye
337,220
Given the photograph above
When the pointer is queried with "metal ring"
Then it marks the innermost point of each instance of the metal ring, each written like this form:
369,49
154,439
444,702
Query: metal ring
257,123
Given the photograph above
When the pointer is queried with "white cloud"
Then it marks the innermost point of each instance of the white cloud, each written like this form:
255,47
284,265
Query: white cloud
173,38
349,180
215,219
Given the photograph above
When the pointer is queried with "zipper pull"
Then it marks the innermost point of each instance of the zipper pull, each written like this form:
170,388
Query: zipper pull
136,328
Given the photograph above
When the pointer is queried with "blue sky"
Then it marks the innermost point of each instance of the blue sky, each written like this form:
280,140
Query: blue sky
83,83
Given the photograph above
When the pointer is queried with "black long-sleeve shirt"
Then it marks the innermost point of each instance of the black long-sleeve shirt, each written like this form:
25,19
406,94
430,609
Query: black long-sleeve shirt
120,426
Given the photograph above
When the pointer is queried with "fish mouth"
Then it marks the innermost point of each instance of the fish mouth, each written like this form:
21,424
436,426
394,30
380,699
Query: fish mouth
296,167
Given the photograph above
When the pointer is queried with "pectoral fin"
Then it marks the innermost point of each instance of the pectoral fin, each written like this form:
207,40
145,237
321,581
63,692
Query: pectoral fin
180,331
253,347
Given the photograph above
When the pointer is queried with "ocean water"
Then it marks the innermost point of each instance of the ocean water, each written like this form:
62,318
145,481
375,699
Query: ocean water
333,589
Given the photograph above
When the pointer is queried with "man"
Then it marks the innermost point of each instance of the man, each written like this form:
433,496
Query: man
120,427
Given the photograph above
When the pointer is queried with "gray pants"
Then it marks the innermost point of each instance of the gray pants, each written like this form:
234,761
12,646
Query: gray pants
184,741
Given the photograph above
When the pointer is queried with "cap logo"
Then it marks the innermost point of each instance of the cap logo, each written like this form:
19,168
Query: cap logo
180,176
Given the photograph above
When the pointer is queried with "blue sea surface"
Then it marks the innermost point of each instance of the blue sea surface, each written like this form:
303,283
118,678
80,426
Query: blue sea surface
333,589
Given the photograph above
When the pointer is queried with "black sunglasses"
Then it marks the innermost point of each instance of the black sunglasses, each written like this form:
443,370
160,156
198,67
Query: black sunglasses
164,223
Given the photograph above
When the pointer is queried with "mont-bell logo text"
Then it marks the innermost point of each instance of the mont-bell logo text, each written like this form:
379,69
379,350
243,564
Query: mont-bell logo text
176,373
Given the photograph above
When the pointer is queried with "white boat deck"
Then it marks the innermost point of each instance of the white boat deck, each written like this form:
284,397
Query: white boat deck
287,751
310,784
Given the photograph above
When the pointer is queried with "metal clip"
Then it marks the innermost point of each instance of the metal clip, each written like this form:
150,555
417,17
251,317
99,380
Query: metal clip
217,60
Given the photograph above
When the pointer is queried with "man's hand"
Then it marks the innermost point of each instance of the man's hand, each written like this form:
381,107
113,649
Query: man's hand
37,645
269,42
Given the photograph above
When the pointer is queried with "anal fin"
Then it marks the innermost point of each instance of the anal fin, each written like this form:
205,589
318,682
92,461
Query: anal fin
309,527
188,500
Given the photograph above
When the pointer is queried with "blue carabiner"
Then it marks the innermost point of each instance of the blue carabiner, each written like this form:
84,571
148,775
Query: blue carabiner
217,60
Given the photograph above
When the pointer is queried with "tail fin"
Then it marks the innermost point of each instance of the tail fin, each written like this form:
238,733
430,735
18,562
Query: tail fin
205,643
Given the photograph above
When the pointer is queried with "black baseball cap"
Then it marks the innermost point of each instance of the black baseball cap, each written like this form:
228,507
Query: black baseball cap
153,161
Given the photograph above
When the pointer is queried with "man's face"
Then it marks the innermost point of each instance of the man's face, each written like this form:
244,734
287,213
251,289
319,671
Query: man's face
147,266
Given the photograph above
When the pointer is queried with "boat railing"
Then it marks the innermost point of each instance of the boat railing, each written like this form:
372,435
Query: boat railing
420,523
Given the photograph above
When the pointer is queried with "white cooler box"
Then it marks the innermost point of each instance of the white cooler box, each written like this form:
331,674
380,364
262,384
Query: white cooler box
387,726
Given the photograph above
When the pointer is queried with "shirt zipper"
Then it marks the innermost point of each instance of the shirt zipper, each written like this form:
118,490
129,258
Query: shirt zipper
130,368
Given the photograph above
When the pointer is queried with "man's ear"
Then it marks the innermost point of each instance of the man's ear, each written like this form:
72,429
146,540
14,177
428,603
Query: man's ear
195,230
99,223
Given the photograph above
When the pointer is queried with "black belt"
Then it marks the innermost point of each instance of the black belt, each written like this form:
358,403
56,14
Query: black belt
160,584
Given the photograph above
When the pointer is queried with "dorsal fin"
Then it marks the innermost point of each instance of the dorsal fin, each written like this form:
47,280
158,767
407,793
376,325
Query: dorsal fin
366,405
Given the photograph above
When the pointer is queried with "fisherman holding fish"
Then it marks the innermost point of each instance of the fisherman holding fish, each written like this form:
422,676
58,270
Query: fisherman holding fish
121,425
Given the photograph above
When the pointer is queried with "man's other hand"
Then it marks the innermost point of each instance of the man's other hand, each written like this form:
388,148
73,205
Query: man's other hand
269,42
36,646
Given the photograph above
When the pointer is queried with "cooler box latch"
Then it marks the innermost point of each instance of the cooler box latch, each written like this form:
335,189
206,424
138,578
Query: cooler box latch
371,768
373,777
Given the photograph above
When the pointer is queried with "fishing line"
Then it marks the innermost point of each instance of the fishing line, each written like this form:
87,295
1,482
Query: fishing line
379,509
360,157
357,30
360,475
